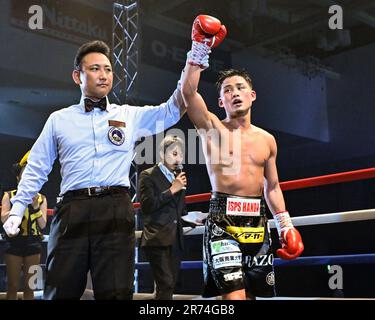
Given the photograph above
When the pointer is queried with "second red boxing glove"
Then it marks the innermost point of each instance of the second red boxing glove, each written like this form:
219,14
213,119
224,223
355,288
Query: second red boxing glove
290,239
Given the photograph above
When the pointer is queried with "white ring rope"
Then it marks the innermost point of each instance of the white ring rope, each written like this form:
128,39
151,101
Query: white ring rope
337,217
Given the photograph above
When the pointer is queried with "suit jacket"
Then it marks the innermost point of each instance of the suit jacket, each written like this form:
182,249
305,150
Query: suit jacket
161,210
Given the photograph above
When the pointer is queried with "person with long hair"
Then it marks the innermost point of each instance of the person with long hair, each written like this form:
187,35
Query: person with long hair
24,250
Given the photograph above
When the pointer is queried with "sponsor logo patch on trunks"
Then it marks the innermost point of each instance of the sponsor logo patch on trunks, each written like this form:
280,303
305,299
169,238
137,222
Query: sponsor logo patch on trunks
227,260
243,207
246,234
217,231
224,246
270,278
233,276
262,260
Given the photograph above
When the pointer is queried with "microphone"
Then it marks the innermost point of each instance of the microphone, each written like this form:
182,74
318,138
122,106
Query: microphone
178,170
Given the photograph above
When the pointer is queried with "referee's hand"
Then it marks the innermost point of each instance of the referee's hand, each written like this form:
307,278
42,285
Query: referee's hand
11,225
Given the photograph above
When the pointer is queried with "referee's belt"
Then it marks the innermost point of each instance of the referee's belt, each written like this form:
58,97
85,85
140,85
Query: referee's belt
96,191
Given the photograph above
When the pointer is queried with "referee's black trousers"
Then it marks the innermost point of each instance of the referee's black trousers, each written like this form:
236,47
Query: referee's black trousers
91,233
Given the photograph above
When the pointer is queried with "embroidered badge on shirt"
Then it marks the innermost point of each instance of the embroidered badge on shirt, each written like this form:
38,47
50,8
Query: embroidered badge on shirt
116,136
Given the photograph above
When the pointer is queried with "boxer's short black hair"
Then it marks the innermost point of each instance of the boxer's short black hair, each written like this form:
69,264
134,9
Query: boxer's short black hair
231,73
89,47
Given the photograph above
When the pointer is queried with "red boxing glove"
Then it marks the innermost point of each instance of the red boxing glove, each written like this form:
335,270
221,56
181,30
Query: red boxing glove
290,238
292,245
207,33
208,30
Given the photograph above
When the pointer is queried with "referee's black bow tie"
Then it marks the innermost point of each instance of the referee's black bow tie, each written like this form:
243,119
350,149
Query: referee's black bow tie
89,104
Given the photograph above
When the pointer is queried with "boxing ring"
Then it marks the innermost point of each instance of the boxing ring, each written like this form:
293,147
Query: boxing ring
307,220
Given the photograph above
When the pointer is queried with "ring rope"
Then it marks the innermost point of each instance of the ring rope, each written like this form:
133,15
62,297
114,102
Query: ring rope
337,217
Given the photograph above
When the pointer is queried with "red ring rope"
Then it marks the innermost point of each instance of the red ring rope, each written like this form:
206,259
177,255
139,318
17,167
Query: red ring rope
301,183
295,184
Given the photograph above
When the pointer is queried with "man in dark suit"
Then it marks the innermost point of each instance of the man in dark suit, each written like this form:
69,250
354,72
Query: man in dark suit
161,193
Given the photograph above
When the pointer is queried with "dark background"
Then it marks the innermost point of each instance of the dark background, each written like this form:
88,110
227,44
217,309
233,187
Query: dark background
315,94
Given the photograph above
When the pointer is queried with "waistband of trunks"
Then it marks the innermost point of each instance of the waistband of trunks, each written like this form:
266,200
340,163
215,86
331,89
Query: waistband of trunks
222,195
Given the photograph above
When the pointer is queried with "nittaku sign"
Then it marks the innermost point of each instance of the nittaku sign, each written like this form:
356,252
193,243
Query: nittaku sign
65,20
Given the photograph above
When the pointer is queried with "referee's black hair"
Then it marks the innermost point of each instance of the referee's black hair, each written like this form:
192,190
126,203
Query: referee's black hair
90,47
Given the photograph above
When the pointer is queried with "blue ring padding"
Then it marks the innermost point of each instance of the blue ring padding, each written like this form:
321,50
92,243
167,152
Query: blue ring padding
301,261
321,260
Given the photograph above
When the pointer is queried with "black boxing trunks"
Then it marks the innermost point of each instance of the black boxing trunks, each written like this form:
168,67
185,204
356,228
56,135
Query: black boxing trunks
237,251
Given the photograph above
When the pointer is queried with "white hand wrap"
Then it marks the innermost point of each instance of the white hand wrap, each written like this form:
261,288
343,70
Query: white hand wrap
283,221
199,54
